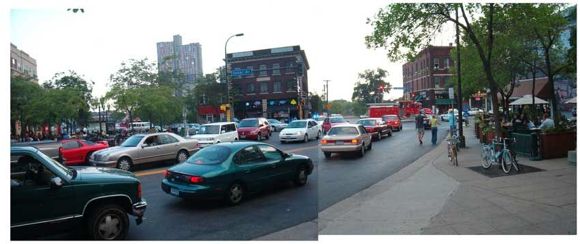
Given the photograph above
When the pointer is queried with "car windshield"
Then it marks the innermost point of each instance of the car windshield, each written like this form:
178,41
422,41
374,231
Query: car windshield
249,123
273,121
342,131
209,129
132,141
337,120
367,122
297,124
391,118
210,155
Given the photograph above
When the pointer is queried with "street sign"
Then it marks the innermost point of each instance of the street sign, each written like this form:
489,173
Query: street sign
398,88
240,72
451,93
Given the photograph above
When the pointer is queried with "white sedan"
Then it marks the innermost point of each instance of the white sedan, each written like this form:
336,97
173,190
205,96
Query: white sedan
300,130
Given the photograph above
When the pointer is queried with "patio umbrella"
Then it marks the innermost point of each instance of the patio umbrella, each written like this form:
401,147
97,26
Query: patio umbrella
572,100
527,99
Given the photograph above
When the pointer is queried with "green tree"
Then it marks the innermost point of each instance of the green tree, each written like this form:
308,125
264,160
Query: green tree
316,103
371,86
23,91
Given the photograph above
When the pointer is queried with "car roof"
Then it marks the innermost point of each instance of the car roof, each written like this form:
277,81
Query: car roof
23,149
219,123
346,125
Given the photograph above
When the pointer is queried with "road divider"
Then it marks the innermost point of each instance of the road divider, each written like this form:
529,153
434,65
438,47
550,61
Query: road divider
161,170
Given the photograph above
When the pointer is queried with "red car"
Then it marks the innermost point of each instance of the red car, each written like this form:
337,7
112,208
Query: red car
376,127
332,121
77,152
254,129
394,121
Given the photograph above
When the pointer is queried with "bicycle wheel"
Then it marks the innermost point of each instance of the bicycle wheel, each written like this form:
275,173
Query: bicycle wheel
506,162
514,161
485,158
454,152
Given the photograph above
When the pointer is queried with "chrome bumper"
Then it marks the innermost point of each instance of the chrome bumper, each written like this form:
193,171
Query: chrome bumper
139,210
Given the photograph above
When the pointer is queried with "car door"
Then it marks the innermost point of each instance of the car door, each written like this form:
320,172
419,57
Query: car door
73,151
253,168
32,200
273,157
312,129
231,132
366,137
168,146
148,151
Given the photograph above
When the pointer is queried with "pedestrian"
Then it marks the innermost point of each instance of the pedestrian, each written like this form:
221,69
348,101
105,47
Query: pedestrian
547,123
419,124
434,122
452,121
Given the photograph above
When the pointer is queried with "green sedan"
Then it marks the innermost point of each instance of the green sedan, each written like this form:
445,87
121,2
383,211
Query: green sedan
231,170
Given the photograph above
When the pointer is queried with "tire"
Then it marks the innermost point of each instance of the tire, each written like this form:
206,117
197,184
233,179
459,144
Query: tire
125,163
485,161
390,133
305,137
273,129
235,194
259,136
379,136
506,161
182,156
515,161
327,154
108,222
301,177
361,153
370,147
455,160
318,135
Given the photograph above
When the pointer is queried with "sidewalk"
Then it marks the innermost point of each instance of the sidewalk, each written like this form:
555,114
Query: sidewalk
432,197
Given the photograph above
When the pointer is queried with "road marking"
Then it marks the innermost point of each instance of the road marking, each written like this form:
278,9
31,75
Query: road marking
160,171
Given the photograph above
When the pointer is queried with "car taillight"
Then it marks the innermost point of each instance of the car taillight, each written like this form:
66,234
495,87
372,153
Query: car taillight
166,173
354,141
139,191
195,179
323,141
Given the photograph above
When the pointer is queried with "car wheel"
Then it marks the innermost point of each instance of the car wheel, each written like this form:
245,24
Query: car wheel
182,156
125,163
235,194
318,135
273,129
259,136
379,136
301,176
370,146
327,154
109,222
390,133
305,137
361,153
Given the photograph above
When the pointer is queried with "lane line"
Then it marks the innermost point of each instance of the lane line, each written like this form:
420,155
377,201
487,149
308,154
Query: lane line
160,171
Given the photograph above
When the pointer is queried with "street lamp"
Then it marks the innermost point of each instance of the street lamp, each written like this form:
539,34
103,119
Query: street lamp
231,110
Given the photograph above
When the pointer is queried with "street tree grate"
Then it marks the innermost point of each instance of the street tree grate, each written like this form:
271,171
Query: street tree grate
495,170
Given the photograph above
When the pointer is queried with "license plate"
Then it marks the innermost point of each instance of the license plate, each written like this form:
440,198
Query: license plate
339,142
174,191
242,136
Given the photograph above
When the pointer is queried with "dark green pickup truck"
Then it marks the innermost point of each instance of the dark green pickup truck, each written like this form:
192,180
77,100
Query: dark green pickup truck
46,195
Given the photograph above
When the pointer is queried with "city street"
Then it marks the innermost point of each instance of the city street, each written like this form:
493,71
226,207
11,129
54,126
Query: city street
343,175
172,218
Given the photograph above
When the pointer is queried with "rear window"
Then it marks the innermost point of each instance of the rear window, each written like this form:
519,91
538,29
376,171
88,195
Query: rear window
367,122
341,131
337,120
210,155
391,117
249,123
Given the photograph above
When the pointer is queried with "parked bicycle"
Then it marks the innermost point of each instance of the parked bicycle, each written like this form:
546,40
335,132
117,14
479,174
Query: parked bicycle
452,148
504,156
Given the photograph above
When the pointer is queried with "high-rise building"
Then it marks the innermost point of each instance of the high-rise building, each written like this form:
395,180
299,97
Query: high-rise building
181,59
21,64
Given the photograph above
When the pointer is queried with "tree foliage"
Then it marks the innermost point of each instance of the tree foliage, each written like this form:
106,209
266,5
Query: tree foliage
367,89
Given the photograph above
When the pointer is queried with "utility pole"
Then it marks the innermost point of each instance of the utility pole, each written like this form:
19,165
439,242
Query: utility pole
459,96
326,95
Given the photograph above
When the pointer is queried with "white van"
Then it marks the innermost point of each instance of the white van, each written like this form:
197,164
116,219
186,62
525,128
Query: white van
141,126
213,133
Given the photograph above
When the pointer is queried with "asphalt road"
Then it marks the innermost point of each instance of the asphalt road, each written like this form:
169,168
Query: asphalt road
171,218
344,175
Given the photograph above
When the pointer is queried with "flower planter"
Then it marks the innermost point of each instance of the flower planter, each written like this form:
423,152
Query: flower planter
557,145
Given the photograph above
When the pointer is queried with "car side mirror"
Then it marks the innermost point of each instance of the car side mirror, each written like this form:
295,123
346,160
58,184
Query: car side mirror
56,183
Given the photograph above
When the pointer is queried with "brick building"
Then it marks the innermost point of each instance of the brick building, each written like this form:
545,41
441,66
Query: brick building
21,64
425,78
271,83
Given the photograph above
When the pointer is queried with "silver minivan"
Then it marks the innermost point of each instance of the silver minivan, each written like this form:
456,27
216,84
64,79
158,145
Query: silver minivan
213,133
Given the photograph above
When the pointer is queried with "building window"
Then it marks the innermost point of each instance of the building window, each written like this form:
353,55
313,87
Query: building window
289,68
251,89
447,63
437,82
435,63
291,86
252,70
263,71
263,87
277,86
275,69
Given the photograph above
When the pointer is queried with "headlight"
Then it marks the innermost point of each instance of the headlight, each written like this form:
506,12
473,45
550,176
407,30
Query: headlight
299,133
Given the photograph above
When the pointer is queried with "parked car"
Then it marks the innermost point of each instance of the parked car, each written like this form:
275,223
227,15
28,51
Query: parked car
214,133
254,129
231,170
394,121
346,138
474,111
276,125
445,116
331,122
47,198
194,127
301,130
376,127
77,151
145,148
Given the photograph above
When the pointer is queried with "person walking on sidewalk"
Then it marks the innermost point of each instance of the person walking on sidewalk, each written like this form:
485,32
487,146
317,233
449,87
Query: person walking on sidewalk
419,124
434,122
452,122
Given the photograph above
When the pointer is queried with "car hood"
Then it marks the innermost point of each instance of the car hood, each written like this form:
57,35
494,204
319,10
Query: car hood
102,174
293,130
208,170
116,149
247,129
